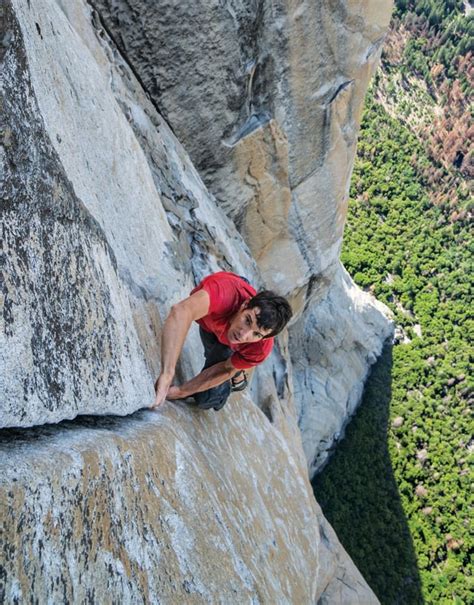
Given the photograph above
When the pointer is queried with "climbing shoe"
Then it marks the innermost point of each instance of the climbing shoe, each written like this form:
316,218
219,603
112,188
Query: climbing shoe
238,383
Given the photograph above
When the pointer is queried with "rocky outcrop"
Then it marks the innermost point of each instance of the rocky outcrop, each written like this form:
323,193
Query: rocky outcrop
175,507
276,91
338,340
106,224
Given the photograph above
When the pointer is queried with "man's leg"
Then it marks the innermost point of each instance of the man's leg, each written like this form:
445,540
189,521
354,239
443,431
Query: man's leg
214,352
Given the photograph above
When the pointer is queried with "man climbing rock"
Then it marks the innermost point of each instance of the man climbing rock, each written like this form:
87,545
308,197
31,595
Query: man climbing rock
237,327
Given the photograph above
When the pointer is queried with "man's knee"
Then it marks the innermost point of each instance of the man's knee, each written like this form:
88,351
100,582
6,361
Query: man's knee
213,398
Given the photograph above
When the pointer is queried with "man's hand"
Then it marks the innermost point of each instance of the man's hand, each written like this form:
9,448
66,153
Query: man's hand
175,393
162,388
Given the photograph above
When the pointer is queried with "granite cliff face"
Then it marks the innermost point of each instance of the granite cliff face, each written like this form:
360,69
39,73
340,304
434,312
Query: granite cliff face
176,507
106,218
107,223
266,98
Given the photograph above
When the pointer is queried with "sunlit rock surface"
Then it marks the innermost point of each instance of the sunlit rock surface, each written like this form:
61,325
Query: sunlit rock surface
266,97
338,340
175,506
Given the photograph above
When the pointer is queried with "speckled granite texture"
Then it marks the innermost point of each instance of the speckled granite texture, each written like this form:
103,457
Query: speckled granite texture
106,223
175,506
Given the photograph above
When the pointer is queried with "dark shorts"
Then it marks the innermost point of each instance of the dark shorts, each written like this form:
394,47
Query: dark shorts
214,352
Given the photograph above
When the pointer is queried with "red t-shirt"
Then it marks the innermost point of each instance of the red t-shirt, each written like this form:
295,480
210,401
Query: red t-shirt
227,292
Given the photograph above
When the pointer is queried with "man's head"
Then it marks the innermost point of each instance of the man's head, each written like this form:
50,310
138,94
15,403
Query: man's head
262,316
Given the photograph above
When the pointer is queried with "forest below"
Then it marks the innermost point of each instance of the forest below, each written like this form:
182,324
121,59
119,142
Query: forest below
399,487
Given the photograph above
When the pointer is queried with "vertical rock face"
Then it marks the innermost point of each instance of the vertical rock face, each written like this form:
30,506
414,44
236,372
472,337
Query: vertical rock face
106,224
276,91
337,341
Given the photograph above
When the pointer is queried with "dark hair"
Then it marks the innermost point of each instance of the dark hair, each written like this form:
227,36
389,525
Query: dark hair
275,311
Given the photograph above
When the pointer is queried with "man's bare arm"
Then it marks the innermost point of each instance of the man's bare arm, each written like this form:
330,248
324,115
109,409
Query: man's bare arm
175,329
208,378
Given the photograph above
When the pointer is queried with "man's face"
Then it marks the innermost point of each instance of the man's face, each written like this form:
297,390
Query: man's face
243,326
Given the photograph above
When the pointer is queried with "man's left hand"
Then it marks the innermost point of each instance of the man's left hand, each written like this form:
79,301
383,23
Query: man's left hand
175,393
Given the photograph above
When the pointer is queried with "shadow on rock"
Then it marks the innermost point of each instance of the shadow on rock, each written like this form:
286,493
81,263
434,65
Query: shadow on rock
15,437
359,496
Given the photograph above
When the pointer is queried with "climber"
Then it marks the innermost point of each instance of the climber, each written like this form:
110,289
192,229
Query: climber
236,326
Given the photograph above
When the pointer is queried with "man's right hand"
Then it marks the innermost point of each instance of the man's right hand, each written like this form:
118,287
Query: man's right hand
162,386
175,329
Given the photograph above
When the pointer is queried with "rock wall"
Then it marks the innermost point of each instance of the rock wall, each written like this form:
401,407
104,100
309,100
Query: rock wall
266,97
176,507
106,220
106,223
338,340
